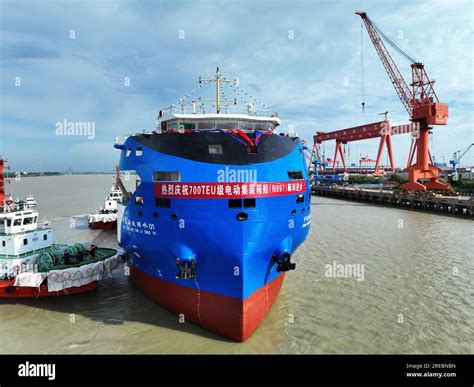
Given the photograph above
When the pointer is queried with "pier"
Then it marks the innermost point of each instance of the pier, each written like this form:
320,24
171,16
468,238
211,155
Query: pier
454,205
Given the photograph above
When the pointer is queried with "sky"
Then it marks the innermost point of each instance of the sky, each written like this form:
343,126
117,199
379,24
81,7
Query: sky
117,63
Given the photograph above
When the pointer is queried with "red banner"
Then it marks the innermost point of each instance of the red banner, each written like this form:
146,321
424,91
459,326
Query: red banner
228,190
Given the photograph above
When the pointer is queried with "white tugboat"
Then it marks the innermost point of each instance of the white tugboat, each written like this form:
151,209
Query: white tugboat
32,266
106,218
30,202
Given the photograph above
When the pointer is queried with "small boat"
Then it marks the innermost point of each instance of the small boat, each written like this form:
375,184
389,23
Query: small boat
30,201
32,266
106,218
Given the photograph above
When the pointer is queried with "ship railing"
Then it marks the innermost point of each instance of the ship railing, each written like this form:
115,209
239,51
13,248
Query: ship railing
32,252
250,110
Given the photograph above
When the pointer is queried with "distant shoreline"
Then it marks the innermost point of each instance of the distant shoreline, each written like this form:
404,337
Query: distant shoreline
12,175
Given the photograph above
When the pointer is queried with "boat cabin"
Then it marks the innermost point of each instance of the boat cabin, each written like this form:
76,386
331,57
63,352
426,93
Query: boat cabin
20,235
18,222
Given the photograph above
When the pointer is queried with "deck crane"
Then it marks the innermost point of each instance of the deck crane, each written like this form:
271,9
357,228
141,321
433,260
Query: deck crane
457,156
421,103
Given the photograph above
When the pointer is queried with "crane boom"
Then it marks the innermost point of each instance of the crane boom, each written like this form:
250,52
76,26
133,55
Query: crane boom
457,156
463,153
421,103
401,87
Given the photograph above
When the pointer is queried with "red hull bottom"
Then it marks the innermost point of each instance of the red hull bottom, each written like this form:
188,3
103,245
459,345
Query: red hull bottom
227,316
103,225
8,290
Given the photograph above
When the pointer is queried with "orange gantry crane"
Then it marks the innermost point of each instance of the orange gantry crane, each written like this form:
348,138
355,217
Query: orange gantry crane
382,130
421,103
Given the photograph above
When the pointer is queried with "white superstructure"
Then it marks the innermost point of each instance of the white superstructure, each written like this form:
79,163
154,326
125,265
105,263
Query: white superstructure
21,240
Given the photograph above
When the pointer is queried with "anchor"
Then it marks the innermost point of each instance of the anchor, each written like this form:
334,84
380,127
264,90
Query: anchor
186,269
284,262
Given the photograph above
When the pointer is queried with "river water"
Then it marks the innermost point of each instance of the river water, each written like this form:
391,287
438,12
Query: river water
415,293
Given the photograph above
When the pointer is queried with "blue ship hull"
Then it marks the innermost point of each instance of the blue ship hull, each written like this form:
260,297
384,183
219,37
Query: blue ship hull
205,244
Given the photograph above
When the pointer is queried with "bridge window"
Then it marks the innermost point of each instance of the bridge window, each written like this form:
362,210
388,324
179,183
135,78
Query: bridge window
138,201
226,125
139,151
28,220
263,127
45,237
129,151
166,176
17,222
206,125
295,175
245,126
25,241
187,125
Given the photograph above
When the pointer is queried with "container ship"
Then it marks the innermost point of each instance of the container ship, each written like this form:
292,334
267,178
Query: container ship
222,205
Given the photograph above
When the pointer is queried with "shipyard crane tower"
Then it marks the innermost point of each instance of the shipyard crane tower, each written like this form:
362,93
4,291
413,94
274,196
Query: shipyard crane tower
422,105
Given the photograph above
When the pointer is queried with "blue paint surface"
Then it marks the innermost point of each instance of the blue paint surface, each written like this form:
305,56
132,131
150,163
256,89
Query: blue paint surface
233,258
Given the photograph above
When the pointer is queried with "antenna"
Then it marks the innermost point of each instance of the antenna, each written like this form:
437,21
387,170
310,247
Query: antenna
218,80
384,114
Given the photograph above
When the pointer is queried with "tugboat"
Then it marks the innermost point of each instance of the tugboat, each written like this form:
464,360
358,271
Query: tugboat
106,218
31,266
30,202
223,204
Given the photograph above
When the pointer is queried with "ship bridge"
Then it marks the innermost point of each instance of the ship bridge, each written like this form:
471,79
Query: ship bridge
232,108
245,122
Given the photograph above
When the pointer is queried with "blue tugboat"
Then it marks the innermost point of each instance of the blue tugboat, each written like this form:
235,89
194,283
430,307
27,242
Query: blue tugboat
222,205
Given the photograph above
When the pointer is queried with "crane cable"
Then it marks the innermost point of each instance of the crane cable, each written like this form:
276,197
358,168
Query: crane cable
394,45
362,81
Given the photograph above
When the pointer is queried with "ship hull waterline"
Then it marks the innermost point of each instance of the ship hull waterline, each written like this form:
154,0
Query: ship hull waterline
9,291
226,316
